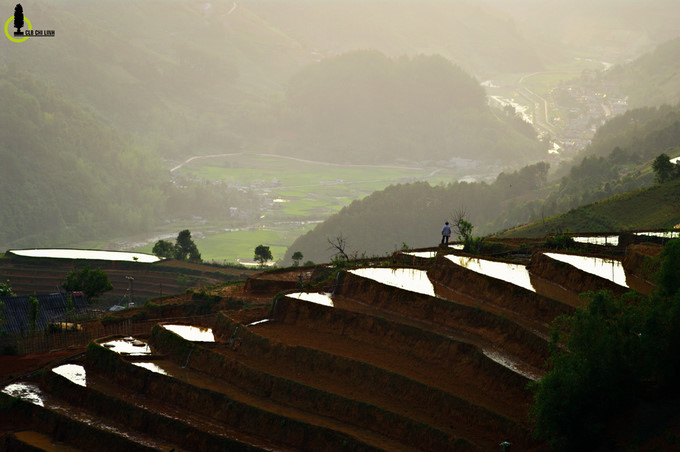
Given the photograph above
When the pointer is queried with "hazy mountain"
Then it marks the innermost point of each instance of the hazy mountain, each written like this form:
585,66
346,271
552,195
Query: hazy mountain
187,77
608,29
153,79
618,161
362,107
479,38
652,79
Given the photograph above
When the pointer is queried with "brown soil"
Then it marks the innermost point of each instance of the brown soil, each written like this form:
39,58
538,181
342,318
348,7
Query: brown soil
384,369
12,367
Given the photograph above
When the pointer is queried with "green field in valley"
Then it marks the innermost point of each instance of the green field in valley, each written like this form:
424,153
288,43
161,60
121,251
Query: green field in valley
297,194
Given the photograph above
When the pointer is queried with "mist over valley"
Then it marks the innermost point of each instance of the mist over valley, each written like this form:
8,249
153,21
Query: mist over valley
256,121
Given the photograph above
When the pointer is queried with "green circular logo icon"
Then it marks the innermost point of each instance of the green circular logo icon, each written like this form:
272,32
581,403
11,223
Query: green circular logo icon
9,35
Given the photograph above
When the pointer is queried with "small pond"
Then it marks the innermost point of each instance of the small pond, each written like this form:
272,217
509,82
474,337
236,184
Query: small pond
128,346
422,254
666,235
192,333
74,372
25,391
610,269
513,273
404,278
313,297
612,240
153,367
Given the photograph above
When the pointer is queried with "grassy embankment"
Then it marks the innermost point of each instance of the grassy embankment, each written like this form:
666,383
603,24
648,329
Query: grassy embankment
655,207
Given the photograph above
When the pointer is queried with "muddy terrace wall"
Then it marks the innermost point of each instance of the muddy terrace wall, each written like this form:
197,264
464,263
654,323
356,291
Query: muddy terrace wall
20,413
308,398
499,329
219,407
432,402
490,374
274,281
402,338
137,418
641,263
500,293
567,276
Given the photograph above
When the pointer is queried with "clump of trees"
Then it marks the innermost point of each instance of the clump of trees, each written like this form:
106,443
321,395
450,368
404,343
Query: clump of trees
184,248
664,170
263,254
6,290
297,257
607,356
92,282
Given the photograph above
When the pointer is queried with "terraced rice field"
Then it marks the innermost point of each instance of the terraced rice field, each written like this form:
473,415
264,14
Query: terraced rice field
433,356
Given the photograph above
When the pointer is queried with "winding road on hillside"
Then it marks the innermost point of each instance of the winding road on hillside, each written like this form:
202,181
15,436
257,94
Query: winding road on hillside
311,162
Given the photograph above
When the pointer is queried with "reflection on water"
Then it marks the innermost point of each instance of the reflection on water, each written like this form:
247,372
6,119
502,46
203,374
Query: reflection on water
128,346
423,254
605,268
313,297
74,372
457,246
153,367
192,333
25,391
599,240
509,363
666,235
88,254
513,273
404,278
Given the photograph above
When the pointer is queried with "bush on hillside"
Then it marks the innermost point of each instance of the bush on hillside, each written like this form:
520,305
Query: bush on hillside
606,356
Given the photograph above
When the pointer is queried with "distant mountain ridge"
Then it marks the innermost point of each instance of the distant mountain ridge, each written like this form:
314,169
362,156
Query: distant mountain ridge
413,214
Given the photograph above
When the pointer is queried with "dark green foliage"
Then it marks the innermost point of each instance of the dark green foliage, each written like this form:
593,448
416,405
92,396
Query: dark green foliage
92,282
559,241
33,311
669,273
263,254
297,257
598,375
185,248
664,169
163,248
6,290
608,356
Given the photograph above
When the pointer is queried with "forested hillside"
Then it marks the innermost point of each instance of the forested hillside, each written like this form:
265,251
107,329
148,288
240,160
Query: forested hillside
654,207
67,175
363,107
653,79
184,77
414,213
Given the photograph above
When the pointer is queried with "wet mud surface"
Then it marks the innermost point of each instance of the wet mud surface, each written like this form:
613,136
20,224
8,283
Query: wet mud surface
372,366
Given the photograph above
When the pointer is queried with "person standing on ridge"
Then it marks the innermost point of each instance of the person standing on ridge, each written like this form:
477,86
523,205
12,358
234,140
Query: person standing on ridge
446,233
